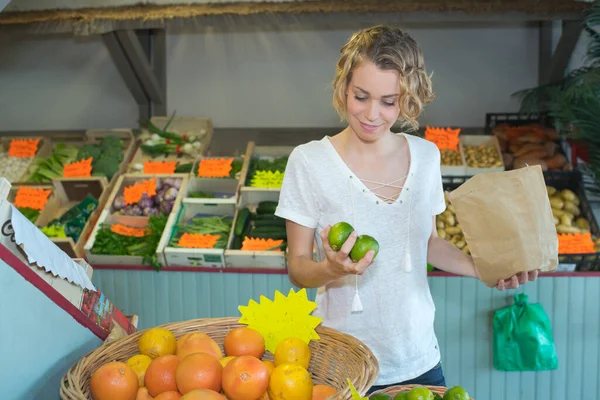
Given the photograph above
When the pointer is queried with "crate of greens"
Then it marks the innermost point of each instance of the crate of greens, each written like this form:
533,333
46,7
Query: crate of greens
216,179
259,237
172,139
70,213
30,200
266,167
199,234
131,227
17,168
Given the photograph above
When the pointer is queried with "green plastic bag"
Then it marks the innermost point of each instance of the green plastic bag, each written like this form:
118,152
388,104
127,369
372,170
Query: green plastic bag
523,338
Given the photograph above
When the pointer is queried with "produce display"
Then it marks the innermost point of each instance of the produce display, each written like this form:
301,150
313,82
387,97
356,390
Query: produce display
106,156
14,169
46,169
482,156
448,228
195,367
260,224
451,158
424,393
276,165
72,222
531,144
167,190
205,225
339,233
164,143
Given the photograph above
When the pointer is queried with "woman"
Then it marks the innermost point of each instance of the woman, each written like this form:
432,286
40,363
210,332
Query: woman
386,185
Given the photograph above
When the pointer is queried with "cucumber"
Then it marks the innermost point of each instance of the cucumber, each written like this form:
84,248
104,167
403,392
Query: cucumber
236,243
269,223
268,229
242,221
266,207
267,217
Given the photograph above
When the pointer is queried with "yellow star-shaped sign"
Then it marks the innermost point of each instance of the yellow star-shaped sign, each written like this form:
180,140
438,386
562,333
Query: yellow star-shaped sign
282,318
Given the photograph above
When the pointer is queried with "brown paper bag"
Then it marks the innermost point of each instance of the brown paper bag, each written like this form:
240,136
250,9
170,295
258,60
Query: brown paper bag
507,223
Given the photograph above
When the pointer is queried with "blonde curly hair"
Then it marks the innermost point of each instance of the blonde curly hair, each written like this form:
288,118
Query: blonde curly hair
389,49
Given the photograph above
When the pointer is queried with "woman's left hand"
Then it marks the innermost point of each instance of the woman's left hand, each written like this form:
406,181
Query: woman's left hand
520,279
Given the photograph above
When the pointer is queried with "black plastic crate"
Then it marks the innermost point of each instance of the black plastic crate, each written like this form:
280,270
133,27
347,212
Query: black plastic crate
560,180
514,119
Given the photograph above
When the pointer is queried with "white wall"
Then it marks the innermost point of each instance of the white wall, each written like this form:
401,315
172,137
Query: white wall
257,79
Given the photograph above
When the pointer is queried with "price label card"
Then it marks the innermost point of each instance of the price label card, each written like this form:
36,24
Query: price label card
134,193
198,240
575,243
267,179
444,138
23,148
254,244
34,198
214,167
160,167
125,230
78,169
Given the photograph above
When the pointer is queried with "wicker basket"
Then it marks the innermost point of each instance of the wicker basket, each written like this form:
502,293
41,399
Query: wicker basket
335,357
394,390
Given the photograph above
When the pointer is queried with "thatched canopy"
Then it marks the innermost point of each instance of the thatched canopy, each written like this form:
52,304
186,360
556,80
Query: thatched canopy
158,15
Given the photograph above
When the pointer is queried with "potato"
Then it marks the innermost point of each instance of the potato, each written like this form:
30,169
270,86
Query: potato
439,224
451,157
568,214
442,233
460,244
466,250
568,195
557,202
557,213
452,230
551,190
566,220
582,224
571,208
450,220
561,228
556,220
450,208
483,156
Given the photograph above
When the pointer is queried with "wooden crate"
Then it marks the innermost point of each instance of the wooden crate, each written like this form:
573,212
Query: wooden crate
191,126
44,150
475,140
66,193
107,217
94,136
251,194
184,257
226,190
13,194
255,259
456,170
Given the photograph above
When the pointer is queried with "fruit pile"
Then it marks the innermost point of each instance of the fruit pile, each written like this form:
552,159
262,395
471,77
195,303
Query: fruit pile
339,233
424,393
194,367
451,157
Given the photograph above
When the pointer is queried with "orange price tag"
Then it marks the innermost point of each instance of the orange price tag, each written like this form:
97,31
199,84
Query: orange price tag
160,167
214,167
23,148
35,198
575,243
444,138
198,240
78,169
254,244
125,230
134,193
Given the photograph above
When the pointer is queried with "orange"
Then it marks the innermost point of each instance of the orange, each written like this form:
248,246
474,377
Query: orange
157,342
114,380
143,394
244,341
203,394
170,395
321,392
160,375
199,371
270,366
292,350
290,381
225,360
197,342
245,378
139,363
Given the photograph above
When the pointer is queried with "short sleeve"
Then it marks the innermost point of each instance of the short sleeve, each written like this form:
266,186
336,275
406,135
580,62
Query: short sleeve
438,202
298,200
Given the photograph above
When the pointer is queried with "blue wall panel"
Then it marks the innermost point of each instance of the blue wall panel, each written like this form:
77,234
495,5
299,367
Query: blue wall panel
464,310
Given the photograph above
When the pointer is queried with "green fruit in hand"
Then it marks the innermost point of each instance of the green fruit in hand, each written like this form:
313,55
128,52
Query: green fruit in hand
380,396
363,244
338,234
401,396
456,393
419,393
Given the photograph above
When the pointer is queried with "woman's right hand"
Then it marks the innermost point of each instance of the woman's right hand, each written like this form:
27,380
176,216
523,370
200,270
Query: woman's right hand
339,262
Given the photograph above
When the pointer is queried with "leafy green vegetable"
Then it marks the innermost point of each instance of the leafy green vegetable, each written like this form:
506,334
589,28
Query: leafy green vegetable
29,213
201,195
52,167
109,243
258,164
204,225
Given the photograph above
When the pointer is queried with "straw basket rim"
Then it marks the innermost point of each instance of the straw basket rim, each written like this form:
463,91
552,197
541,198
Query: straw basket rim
394,390
362,368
